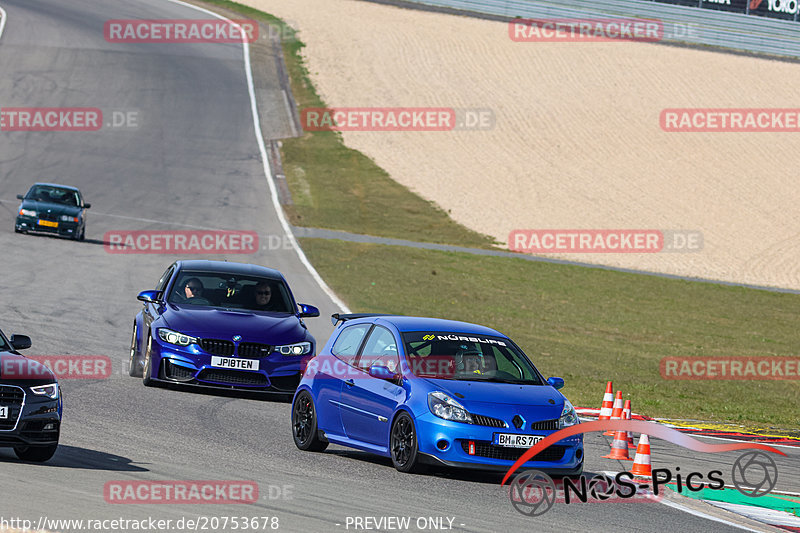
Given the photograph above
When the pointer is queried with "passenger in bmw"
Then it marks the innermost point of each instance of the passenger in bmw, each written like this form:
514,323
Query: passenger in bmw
263,297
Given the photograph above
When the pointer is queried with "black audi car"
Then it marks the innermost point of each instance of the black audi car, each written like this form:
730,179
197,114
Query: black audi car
30,403
51,208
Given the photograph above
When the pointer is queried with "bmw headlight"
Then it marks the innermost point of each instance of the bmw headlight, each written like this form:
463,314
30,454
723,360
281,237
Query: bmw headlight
173,337
568,416
68,218
51,390
445,407
300,348
27,212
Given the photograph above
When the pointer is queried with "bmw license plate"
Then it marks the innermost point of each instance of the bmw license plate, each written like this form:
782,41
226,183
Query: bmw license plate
48,223
238,364
3,411
511,440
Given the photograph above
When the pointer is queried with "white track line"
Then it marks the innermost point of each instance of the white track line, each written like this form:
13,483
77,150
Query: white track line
3,20
267,171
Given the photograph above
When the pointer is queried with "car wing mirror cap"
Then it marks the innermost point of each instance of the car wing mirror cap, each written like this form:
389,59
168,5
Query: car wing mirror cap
149,296
381,372
307,311
20,197
87,206
20,342
556,383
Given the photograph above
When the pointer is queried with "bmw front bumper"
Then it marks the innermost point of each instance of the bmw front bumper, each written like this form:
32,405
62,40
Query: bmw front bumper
191,366
31,224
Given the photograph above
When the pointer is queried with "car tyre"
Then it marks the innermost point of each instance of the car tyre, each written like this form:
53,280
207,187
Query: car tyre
82,236
304,424
147,380
134,370
404,445
36,454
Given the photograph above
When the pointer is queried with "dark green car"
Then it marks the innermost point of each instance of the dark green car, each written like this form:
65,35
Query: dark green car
51,208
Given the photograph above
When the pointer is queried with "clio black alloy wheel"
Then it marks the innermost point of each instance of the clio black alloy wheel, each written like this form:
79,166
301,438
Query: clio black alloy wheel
304,424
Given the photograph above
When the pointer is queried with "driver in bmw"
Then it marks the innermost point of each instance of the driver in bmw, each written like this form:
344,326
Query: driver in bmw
193,288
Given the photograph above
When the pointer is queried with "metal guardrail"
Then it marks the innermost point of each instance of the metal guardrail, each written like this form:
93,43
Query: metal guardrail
682,24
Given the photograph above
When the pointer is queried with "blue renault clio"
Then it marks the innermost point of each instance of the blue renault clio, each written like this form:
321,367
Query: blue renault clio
432,391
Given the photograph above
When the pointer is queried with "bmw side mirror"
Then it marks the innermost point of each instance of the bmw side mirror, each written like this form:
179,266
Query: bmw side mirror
307,311
20,197
20,342
151,297
556,383
381,372
87,206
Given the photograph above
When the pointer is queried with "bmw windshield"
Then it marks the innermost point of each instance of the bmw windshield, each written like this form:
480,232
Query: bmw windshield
467,357
53,195
229,291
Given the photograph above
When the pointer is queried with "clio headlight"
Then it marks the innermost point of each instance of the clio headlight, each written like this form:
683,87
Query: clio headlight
447,408
174,337
568,416
27,212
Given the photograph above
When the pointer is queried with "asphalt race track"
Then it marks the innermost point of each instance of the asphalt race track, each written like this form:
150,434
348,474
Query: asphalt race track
191,161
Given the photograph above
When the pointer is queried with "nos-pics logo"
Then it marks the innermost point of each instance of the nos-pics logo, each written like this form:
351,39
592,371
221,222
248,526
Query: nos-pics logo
533,492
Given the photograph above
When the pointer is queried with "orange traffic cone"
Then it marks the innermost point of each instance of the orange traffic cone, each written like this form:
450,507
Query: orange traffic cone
608,403
641,462
626,415
619,447
616,414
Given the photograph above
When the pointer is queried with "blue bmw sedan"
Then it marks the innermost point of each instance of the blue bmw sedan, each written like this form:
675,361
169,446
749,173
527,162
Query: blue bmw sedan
432,391
221,325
